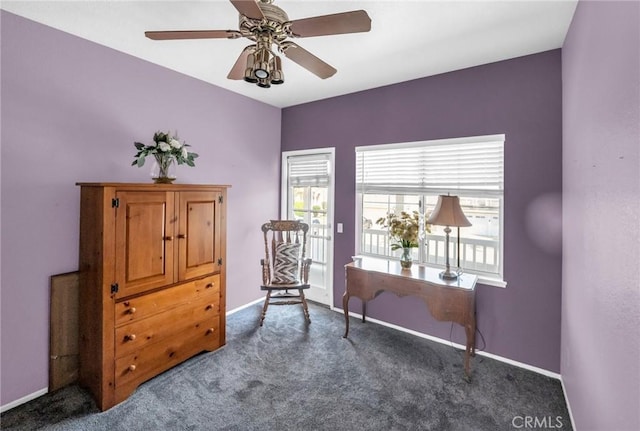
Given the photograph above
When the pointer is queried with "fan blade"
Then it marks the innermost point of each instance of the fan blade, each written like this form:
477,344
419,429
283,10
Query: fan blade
307,60
237,71
248,8
356,21
193,34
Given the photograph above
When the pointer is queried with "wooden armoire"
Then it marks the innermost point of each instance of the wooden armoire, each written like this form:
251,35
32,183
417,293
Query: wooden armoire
152,281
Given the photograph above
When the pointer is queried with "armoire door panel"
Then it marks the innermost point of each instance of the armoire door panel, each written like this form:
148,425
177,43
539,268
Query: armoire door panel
145,241
200,222
197,237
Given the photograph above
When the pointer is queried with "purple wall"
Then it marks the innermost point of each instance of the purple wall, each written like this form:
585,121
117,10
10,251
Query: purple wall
71,110
601,200
520,98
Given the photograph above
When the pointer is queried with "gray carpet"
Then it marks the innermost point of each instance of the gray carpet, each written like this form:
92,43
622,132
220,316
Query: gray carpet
290,376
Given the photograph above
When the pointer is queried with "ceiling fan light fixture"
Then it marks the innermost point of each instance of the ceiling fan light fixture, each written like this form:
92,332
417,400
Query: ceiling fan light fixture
248,72
277,77
249,77
261,71
261,66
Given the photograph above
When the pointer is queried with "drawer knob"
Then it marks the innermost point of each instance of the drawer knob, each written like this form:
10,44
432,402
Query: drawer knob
129,337
131,310
209,285
168,238
131,367
209,307
182,236
210,331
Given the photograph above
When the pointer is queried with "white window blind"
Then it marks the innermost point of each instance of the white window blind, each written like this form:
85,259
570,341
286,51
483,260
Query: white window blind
466,166
310,170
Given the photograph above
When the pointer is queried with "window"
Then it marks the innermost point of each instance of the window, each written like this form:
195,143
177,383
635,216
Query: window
410,176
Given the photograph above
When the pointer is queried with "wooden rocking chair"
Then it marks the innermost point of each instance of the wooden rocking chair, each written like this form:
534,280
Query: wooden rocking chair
285,266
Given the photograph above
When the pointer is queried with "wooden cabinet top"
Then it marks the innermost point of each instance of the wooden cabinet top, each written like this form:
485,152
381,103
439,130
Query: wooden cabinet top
153,186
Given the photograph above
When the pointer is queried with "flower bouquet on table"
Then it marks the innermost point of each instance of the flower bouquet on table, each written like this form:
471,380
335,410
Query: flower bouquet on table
166,150
404,229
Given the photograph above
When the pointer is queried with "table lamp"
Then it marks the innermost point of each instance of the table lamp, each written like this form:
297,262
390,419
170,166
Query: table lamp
448,213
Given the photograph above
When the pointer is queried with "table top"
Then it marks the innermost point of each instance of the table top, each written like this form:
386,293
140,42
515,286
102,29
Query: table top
416,272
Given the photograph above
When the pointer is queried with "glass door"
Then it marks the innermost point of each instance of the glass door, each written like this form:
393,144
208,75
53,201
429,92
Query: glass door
307,195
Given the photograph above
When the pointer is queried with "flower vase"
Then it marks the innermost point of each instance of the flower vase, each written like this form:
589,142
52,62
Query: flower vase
406,260
164,169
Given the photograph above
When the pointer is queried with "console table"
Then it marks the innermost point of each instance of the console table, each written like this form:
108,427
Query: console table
447,300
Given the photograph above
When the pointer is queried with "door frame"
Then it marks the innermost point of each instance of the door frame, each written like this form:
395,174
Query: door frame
330,204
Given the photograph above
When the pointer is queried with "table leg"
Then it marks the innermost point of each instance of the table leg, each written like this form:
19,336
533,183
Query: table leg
470,349
364,309
345,307
473,338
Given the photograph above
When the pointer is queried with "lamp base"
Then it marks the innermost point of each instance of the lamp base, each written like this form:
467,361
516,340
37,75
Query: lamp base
448,275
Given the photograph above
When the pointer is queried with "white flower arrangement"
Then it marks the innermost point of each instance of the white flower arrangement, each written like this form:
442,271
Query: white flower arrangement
165,148
403,228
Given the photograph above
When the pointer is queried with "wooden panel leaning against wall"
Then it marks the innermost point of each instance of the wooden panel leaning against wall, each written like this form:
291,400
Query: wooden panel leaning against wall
152,281
63,330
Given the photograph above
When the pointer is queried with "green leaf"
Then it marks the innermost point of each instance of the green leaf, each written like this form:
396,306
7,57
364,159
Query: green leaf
139,145
141,161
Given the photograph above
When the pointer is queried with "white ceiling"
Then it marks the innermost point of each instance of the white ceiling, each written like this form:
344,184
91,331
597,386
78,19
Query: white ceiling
408,39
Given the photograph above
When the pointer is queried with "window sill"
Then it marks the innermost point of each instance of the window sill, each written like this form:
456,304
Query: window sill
487,281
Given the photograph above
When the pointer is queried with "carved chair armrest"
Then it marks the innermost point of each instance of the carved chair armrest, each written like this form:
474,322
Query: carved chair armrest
306,264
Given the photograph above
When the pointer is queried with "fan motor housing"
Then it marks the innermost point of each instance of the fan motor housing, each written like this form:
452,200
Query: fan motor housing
273,13
274,24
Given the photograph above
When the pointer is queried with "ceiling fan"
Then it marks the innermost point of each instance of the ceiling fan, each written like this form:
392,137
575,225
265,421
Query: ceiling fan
268,25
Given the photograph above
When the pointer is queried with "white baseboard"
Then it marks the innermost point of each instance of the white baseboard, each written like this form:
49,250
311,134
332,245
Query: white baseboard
23,400
456,345
242,307
566,400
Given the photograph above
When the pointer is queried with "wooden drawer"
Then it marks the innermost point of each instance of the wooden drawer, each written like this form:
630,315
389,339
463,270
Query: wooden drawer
132,309
140,333
149,361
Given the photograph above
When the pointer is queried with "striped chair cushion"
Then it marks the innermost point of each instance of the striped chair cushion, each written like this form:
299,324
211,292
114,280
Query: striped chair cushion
286,267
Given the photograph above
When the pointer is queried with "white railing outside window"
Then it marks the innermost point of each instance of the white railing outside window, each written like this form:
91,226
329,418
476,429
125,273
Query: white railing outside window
476,254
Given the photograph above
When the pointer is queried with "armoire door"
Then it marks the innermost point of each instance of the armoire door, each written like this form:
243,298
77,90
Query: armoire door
145,242
198,234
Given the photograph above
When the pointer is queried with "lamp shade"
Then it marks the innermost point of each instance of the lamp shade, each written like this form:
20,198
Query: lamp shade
448,213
